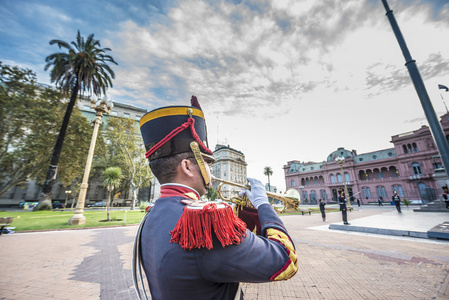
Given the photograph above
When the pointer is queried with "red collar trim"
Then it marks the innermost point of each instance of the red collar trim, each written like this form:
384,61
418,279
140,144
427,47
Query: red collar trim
173,190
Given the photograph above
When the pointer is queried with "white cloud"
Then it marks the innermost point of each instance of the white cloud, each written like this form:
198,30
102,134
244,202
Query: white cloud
294,81
288,79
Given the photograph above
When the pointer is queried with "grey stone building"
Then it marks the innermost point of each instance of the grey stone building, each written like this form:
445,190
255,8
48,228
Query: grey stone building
230,166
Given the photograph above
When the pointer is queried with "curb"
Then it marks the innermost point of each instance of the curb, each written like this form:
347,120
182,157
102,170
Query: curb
79,228
395,232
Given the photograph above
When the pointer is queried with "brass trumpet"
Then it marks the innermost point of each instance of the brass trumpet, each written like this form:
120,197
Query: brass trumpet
290,199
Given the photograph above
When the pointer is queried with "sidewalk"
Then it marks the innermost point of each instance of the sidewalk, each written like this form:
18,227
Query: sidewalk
334,264
408,223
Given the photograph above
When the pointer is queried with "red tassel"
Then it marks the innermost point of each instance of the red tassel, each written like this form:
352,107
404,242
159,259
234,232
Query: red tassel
194,227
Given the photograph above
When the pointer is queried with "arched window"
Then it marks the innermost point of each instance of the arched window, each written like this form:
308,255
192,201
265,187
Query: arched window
366,192
415,148
425,192
437,165
404,147
292,182
362,175
307,181
323,194
409,148
313,195
379,174
339,178
368,174
304,195
332,177
396,173
316,180
398,189
381,192
416,169
347,179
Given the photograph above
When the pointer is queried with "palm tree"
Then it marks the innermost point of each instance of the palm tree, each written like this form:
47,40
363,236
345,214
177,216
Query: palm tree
83,68
112,179
267,171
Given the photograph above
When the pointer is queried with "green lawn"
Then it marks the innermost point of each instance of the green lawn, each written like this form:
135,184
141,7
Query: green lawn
313,210
50,220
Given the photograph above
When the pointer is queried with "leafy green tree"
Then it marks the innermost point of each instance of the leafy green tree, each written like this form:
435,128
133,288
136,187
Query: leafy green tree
83,68
30,115
267,171
211,194
112,179
127,150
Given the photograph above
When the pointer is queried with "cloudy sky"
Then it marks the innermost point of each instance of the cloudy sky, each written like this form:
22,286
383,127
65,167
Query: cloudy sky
278,80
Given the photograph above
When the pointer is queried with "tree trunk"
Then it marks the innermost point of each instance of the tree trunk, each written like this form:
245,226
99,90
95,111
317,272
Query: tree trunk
149,191
135,190
107,203
45,202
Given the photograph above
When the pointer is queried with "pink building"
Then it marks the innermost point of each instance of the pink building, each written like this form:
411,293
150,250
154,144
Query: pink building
412,167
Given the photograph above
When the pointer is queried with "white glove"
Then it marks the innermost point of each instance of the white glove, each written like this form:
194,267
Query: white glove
257,195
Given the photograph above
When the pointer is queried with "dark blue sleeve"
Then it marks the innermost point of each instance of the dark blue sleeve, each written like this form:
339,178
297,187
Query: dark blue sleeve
256,258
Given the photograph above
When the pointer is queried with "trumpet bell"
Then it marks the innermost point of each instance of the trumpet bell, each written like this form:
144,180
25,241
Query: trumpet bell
292,193
290,199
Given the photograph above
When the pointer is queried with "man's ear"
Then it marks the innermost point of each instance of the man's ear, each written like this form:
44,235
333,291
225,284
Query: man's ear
187,167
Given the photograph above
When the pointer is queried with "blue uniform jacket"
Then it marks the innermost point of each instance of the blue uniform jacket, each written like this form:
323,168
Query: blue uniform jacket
175,273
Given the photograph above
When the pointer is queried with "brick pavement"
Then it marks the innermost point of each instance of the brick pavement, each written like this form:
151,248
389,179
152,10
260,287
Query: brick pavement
96,264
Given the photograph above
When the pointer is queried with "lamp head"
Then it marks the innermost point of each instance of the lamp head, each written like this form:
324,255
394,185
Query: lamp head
340,159
93,99
104,100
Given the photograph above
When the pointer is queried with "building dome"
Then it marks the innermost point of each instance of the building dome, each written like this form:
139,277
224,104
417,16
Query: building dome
340,152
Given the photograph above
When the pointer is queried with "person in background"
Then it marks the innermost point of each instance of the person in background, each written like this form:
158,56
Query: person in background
380,201
445,197
344,210
397,201
322,204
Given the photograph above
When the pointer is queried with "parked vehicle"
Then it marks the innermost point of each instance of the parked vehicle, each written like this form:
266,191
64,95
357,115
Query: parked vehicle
98,204
56,205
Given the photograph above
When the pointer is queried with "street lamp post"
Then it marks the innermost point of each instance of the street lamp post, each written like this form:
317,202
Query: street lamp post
73,202
341,160
66,197
101,106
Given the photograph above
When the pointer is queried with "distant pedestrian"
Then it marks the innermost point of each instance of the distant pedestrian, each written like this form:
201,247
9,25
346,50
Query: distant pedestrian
445,197
344,210
322,204
380,201
358,202
397,201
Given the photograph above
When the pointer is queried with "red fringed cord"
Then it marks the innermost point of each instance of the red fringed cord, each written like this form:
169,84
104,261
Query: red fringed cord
194,228
189,123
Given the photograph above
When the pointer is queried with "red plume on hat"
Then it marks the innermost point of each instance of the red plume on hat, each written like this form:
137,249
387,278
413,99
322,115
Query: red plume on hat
194,102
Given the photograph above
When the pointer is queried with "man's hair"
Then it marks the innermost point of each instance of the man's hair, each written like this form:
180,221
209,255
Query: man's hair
165,168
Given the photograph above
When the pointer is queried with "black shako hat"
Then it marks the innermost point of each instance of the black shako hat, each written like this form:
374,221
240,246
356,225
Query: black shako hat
169,130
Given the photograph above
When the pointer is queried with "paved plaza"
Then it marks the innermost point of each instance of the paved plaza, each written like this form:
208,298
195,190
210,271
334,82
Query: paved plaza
334,264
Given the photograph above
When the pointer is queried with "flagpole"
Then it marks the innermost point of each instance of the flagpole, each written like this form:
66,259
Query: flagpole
429,111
